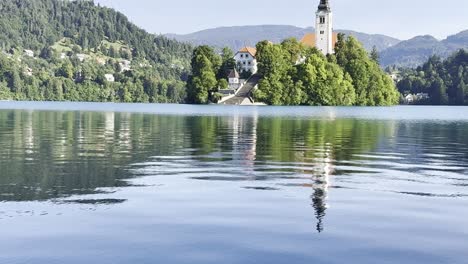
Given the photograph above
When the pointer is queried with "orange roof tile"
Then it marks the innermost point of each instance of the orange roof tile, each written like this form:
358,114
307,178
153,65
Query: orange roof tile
309,39
250,50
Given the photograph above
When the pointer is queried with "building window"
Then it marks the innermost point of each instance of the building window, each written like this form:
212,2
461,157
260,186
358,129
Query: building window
322,32
249,63
244,62
242,55
247,55
322,20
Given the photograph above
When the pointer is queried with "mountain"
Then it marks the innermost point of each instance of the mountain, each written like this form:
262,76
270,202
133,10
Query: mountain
412,52
408,53
457,41
79,51
415,51
39,24
240,36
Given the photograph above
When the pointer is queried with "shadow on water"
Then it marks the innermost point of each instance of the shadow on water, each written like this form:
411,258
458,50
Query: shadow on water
47,155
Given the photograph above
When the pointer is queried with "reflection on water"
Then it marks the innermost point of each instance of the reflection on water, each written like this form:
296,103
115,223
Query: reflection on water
88,158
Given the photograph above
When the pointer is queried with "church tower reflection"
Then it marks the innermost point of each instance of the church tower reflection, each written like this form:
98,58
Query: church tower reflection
321,185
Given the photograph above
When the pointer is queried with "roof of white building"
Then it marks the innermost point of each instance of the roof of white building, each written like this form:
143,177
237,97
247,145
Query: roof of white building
233,74
250,50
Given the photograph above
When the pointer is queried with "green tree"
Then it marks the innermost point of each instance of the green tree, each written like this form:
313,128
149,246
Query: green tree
203,83
5,93
375,54
66,70
223,84
16,83
461,91
228,63
372,85
438,92
443,80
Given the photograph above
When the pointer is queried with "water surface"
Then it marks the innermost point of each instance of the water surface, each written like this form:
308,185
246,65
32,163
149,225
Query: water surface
116,183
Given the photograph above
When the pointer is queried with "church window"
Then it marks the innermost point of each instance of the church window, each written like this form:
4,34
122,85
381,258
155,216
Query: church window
322,32
322,20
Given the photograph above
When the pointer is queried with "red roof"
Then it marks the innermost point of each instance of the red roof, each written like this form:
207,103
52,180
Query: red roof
250,50
309,39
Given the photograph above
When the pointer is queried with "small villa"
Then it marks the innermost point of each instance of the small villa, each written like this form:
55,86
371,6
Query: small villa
246,60
29,53
125,65
81,57
234,78
109,77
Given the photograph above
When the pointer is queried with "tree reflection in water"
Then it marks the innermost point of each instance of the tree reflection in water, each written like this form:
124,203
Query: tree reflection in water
48,155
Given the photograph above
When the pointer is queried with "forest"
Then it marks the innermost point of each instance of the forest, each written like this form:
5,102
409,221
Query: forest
78,51
445,81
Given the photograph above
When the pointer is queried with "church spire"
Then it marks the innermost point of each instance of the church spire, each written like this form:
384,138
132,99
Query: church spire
324,6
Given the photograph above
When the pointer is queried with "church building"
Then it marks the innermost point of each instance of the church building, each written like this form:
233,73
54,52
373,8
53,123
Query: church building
324,39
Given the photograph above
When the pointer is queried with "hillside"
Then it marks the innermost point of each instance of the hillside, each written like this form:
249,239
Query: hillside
408,53
37,24
240,36
71,46
412,52
445,81
415,51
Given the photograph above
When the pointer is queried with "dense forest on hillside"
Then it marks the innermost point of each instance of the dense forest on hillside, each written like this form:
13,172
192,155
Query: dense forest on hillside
445,81
76,50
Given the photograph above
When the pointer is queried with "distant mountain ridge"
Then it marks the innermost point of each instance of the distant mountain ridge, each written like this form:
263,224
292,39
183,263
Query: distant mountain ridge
415,51
239,36
407,53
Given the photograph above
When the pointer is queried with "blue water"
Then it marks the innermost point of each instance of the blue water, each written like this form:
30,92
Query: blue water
118,183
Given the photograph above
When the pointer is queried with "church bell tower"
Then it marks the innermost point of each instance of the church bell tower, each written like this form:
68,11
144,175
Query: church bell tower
324,28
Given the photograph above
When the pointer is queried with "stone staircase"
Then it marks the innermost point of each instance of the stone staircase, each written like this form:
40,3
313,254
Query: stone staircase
243,96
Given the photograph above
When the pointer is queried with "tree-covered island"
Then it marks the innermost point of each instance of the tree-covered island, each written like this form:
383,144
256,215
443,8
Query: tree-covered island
293,74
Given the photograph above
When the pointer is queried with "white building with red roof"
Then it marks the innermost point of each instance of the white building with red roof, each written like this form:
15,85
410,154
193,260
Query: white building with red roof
246,59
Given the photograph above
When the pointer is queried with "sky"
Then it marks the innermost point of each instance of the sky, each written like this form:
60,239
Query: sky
402,19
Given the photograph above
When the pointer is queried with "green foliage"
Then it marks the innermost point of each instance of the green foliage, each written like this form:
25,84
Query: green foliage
223,84
159,66
373,87
295,75
209,74
228,63
203,83
444,81
375,56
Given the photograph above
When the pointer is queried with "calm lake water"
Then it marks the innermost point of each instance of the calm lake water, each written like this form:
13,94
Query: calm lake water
116,183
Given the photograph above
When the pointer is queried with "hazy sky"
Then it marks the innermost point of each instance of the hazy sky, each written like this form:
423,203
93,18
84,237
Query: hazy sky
399,18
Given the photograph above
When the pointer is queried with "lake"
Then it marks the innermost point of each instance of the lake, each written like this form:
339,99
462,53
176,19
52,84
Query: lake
121,183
